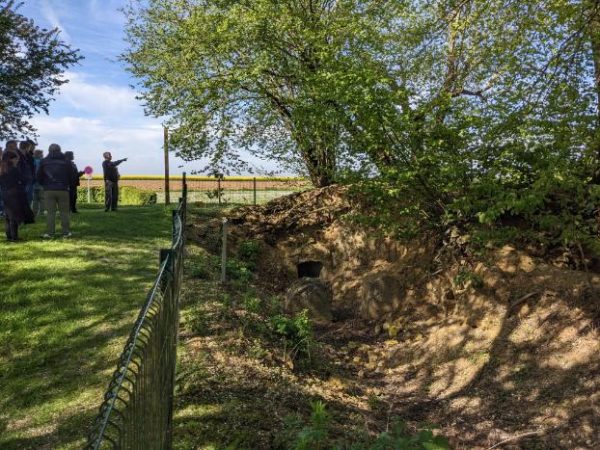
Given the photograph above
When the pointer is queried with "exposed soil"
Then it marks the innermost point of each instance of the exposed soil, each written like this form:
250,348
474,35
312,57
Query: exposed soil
499,348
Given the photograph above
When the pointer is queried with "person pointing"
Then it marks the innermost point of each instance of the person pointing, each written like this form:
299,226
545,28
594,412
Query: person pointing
111,181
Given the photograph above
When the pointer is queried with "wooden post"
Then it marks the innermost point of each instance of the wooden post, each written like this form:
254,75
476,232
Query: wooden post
224,253
254,188
219,189
166,147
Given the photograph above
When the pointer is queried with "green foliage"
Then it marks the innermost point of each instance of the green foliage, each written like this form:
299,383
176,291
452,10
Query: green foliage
252,303
466,277
33,62
128,195
400,438
238,271
316,435
197,321
249,250
202,270
296,332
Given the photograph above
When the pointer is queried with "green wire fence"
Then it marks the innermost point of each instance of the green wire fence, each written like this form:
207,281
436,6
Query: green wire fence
137,410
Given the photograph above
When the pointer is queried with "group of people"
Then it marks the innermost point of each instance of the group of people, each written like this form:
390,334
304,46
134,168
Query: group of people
31,185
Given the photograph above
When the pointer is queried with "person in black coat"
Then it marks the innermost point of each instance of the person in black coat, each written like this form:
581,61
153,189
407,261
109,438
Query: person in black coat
26,167
12,186
55,177
75,175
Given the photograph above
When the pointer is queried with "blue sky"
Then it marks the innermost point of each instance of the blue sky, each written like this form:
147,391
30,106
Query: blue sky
97,111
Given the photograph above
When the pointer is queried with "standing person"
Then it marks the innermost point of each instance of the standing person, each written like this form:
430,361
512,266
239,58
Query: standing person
1,201
12,185
75,174
11,146
38,191
111,181
55,178
26,167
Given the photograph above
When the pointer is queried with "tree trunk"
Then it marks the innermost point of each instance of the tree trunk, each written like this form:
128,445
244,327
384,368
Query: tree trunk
596,55
320,163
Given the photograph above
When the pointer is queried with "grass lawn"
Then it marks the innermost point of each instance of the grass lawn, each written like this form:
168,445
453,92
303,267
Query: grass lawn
66,309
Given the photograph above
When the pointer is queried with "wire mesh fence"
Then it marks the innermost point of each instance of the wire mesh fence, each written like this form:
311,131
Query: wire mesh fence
244,191
138,405
228,190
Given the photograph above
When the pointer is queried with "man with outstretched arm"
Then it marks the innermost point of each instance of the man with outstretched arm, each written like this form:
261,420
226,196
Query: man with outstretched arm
111,181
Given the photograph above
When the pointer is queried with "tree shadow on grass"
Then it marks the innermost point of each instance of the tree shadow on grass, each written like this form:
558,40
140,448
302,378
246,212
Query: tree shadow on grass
66,311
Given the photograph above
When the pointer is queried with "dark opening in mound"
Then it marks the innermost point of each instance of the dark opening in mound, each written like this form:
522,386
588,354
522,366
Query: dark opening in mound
309,269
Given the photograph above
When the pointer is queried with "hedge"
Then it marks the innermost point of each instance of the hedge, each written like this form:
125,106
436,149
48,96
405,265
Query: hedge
128,195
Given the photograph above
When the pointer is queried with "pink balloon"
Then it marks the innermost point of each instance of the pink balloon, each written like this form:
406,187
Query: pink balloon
88,170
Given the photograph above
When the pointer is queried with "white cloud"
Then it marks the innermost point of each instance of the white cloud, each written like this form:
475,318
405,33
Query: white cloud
107,11
51,16
97,99
89,138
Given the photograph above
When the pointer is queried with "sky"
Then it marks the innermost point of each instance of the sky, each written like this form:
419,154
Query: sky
97,110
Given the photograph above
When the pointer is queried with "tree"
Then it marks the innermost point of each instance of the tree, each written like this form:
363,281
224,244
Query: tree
32,61
435,97
260,75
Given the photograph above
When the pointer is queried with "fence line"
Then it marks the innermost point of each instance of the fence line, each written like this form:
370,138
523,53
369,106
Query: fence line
218,190
137,410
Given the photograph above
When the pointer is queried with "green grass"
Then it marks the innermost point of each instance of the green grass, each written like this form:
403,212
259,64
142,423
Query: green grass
66,309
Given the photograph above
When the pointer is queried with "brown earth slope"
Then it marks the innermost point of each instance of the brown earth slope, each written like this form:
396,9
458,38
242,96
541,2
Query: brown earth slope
501,349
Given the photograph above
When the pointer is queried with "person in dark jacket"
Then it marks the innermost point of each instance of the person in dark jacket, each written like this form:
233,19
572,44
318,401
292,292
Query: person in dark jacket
111,181
1,201
12,187
26,167
11,146
55,177
75,175
38,192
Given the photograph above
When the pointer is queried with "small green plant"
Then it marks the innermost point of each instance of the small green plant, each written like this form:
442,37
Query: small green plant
256,349
297,334
466,277
252,303
315,435
238,271
400,438
274,305
200,269
249,250
225,299
198,322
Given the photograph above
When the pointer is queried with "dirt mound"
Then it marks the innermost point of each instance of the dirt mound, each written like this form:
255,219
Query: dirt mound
497,346
305,211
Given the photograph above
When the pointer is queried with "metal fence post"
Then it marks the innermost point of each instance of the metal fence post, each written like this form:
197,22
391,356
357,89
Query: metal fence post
224,253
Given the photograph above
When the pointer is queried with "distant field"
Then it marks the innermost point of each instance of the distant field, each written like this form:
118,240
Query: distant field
157,183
